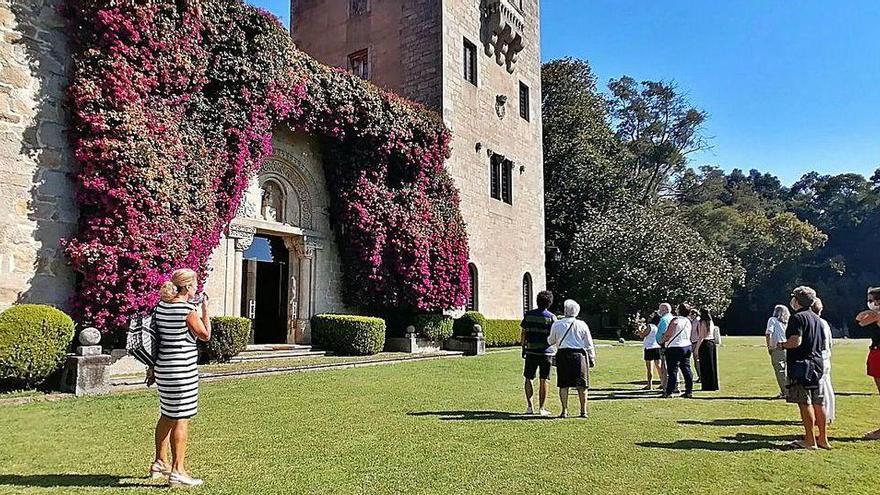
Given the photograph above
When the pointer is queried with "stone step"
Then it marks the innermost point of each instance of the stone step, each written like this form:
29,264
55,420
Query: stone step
262,355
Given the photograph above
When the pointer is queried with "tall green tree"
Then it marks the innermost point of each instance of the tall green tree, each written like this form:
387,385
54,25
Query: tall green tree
583,161
660,129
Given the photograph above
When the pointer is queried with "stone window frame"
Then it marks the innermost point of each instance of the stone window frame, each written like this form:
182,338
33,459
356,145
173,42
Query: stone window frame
354,57
528,292
473,302
501,178
469,62
525,101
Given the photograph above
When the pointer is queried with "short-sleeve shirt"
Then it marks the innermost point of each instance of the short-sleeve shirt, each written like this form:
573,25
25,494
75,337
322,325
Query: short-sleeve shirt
776,331
808,325
663,325
682,335
650,341
536,324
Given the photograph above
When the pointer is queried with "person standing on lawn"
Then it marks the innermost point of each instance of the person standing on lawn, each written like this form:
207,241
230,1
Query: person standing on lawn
678,352
694,317
870,319
574,357
707,350
537,353
179,324
774,336
803,358
665,312
825,383
648,332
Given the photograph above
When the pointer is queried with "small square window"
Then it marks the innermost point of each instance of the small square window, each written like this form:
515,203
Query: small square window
359,64
524,101
357,7
470,62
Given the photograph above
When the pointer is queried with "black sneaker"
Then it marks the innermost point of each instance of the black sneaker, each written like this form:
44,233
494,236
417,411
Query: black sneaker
687,395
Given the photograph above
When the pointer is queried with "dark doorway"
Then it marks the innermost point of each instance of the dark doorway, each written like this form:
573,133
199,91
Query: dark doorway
264,285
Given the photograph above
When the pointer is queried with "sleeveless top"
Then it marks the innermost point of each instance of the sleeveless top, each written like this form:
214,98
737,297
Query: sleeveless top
176,370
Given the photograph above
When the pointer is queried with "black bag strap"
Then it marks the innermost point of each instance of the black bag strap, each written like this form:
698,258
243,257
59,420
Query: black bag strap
676,336
567,331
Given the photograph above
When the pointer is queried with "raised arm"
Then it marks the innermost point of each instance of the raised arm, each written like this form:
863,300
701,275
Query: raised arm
200,326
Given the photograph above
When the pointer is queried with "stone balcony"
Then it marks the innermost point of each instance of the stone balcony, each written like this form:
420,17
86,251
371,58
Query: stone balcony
504,25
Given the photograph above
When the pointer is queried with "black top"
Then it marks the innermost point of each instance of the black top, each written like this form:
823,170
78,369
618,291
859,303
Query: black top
808,325
536,324
874,330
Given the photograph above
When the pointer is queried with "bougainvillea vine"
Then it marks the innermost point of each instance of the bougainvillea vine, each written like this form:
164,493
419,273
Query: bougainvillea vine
173,107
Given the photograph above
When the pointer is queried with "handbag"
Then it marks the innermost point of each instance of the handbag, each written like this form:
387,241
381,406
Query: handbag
142,341
805,372
553,357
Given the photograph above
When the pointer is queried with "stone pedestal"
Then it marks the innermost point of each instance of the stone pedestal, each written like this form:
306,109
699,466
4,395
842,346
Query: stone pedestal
86,372
411,343
470,345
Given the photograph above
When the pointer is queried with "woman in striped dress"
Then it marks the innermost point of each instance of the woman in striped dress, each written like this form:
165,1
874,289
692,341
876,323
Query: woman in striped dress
176,373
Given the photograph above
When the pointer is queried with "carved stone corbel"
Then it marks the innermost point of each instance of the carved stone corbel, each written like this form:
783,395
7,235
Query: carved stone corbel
243,235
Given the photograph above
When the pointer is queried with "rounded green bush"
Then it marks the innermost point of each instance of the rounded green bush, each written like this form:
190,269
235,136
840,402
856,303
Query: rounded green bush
433,327
464,326
229,336
502,333
348,335
33,341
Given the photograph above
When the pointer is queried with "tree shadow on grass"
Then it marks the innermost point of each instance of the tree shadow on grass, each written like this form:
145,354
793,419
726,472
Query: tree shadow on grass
479,415
73,480
740,422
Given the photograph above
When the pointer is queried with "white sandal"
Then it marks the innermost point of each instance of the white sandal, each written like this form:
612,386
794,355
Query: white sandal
178,479
159,470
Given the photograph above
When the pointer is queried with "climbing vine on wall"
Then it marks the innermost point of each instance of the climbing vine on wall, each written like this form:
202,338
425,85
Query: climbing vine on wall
173,106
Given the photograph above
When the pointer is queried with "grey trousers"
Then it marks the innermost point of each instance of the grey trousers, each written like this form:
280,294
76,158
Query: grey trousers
777,358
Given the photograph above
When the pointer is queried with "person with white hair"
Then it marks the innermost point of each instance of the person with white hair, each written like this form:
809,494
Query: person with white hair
575,355
827,388
774,336
666,316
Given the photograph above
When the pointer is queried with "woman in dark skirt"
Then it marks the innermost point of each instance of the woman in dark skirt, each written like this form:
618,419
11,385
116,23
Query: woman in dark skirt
706,350
574,357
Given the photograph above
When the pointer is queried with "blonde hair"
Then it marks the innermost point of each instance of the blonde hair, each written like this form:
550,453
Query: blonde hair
781,313
179,279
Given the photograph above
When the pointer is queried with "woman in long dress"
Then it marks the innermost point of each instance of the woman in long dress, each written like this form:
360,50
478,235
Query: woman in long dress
825,383
707,351
176,373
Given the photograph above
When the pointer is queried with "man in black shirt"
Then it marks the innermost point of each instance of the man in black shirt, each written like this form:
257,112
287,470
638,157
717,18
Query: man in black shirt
803,356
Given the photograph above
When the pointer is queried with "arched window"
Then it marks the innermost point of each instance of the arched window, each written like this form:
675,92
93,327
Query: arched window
473,302
527,292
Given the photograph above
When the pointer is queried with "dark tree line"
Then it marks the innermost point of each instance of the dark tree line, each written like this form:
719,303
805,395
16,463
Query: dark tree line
631,222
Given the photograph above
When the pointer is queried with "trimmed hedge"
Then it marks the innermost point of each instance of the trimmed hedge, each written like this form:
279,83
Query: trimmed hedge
348,335
434,327
464,326
503,333
229,336
33,341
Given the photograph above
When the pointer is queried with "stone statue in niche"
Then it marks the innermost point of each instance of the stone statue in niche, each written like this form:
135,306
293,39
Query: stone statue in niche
272,202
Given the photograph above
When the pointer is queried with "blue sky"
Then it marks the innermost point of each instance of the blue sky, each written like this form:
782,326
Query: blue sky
790,86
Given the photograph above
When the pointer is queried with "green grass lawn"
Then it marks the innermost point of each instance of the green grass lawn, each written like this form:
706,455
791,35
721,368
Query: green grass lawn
452,426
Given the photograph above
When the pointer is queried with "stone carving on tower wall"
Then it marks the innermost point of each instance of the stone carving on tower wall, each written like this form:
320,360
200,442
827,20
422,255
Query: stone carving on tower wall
243,235
503,25
250,201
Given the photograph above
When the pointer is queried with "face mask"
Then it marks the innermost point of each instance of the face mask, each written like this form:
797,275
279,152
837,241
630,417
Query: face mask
874,305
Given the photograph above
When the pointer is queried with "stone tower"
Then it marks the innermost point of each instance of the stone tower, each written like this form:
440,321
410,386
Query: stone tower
477,63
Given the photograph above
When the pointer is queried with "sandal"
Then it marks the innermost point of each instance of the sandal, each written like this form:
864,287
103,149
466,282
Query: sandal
799,445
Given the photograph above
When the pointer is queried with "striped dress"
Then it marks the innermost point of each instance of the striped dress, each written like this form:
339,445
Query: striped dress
176,370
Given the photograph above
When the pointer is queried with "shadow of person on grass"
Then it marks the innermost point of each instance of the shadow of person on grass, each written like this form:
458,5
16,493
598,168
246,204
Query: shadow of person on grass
740,422
740,442
72,480
478,415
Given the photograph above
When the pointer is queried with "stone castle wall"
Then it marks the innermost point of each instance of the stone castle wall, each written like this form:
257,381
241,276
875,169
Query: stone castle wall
37,206
506,241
